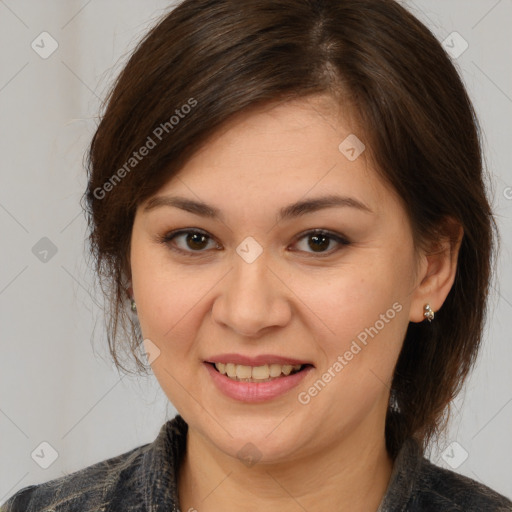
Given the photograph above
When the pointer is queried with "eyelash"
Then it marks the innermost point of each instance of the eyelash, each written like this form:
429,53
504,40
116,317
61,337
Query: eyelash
169,237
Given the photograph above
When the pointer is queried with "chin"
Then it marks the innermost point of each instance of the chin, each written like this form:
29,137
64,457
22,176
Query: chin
251,440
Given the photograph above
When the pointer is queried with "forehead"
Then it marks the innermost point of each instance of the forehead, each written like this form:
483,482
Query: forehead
278,154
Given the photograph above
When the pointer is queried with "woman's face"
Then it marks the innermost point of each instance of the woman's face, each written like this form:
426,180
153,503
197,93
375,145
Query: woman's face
257,289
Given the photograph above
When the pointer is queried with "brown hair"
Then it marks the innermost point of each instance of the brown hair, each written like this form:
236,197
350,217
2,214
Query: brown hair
222,57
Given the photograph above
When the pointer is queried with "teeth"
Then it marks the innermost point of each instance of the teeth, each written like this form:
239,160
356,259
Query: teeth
275,370
230,370
287,369
243,372
256,373
260,372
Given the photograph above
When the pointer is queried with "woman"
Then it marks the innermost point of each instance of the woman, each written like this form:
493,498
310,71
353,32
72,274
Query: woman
289,198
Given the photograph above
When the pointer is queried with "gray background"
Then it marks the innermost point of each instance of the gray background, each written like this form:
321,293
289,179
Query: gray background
57,384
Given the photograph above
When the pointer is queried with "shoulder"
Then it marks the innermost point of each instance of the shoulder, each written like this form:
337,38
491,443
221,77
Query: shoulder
445,490
418,485
89,489
140,480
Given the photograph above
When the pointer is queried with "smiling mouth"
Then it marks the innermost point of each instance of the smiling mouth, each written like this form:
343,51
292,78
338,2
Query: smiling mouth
263,373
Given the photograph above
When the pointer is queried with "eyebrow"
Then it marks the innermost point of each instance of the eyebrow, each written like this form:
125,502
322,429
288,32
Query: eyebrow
288,212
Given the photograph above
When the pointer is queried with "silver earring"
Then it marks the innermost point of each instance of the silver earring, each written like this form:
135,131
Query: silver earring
134,306
429,313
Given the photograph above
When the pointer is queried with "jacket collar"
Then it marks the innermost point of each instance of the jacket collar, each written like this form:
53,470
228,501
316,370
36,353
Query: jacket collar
160,467
406,469
158,472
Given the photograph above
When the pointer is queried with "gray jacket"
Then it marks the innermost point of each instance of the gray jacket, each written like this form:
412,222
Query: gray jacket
145,480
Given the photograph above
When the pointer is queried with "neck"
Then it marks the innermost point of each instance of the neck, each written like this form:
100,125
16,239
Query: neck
351,475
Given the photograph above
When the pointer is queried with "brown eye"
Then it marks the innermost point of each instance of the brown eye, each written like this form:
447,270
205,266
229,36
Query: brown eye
196,241
190,241
319,241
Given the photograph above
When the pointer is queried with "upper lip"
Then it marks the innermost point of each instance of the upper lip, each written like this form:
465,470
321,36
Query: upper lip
260,360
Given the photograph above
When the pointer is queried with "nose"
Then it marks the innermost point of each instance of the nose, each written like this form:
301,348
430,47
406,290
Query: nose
253,299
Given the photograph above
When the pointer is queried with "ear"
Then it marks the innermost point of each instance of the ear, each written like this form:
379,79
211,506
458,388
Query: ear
438,266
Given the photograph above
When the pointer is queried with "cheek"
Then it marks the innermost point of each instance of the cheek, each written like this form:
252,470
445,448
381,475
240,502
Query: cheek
172,302
356,296
364,308
167,306
367,320
160,292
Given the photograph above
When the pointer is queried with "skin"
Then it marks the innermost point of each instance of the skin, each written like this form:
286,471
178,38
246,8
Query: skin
328,454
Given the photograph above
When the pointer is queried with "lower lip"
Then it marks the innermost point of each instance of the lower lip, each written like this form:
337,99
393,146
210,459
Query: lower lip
255,391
